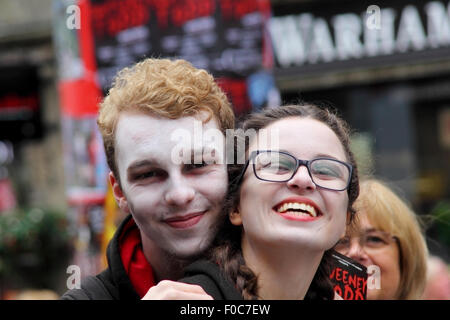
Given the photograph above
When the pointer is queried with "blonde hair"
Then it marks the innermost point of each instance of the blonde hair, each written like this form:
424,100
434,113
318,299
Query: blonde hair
386,211
163,88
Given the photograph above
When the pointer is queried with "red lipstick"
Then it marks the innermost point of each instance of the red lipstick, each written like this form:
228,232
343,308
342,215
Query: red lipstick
299,211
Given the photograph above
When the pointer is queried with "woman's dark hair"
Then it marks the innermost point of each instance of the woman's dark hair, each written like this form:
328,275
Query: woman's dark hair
226,250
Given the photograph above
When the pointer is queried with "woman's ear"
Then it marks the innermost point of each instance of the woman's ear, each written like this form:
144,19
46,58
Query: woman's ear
235,217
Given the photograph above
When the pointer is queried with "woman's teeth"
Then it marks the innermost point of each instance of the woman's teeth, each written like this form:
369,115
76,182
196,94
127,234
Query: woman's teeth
305,209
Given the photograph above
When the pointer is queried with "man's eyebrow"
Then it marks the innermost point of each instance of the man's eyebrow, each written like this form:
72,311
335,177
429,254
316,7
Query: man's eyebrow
196,154
139,164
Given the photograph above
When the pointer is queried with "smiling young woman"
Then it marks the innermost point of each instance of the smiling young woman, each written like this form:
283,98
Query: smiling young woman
286,207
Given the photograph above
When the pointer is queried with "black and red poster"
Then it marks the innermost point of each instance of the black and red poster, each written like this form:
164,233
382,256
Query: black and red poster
225,37
349,278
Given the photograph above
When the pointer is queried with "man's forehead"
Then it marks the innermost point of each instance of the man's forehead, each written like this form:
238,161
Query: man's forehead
140,121
140,135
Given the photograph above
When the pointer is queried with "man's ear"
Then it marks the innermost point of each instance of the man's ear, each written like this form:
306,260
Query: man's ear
118,193
235,217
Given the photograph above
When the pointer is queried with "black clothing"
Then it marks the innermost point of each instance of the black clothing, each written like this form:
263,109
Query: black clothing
114,283
111,284
209,276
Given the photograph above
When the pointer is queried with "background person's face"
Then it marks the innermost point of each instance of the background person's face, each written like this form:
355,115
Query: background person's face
176,206
305,139
386,257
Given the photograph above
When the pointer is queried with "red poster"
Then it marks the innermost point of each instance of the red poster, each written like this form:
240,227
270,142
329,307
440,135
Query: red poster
78,88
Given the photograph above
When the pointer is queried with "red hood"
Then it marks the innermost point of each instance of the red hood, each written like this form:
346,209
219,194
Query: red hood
136,265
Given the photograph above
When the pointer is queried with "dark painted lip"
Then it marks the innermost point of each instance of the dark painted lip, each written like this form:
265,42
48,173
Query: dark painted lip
186,221
185,217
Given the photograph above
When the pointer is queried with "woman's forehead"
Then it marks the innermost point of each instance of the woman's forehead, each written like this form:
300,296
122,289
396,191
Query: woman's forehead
370,218
304,137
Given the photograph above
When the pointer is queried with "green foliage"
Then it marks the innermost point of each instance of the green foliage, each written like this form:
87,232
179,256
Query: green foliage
34,246
441,219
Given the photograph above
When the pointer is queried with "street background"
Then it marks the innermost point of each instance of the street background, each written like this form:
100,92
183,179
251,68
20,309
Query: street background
385,65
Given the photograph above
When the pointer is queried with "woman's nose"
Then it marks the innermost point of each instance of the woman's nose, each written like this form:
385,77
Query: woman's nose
301,180
356,251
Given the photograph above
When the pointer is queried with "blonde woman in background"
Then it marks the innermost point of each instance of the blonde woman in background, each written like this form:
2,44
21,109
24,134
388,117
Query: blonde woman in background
387,235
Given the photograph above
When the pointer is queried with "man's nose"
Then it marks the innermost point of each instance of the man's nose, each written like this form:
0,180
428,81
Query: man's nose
179,192
301,180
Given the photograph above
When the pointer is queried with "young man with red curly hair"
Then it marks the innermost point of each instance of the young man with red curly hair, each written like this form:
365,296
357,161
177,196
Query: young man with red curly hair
173,206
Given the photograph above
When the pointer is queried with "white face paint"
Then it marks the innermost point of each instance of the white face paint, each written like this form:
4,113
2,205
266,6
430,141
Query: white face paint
175,205
305,139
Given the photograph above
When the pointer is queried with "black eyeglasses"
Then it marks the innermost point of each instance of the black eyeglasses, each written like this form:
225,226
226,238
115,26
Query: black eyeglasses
369,240
280,166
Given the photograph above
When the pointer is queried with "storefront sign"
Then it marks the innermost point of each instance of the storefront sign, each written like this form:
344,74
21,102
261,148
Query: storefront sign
311,37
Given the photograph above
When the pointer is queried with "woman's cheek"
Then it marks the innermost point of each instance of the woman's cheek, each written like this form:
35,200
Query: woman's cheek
338,207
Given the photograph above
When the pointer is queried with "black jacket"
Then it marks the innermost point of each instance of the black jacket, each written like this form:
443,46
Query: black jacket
209,276
114,283
111,284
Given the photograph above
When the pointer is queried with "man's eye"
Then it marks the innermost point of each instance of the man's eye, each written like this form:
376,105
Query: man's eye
148,175
145,175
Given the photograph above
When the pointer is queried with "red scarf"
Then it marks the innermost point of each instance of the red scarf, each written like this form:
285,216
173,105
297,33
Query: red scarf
133,259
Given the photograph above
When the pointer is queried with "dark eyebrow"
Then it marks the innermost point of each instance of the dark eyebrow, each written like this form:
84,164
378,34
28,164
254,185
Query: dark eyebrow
200,152
367,230
320,155
323,155
139,164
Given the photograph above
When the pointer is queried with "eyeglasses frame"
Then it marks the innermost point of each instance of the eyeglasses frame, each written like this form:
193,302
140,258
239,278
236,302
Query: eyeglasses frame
299,163
390,238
